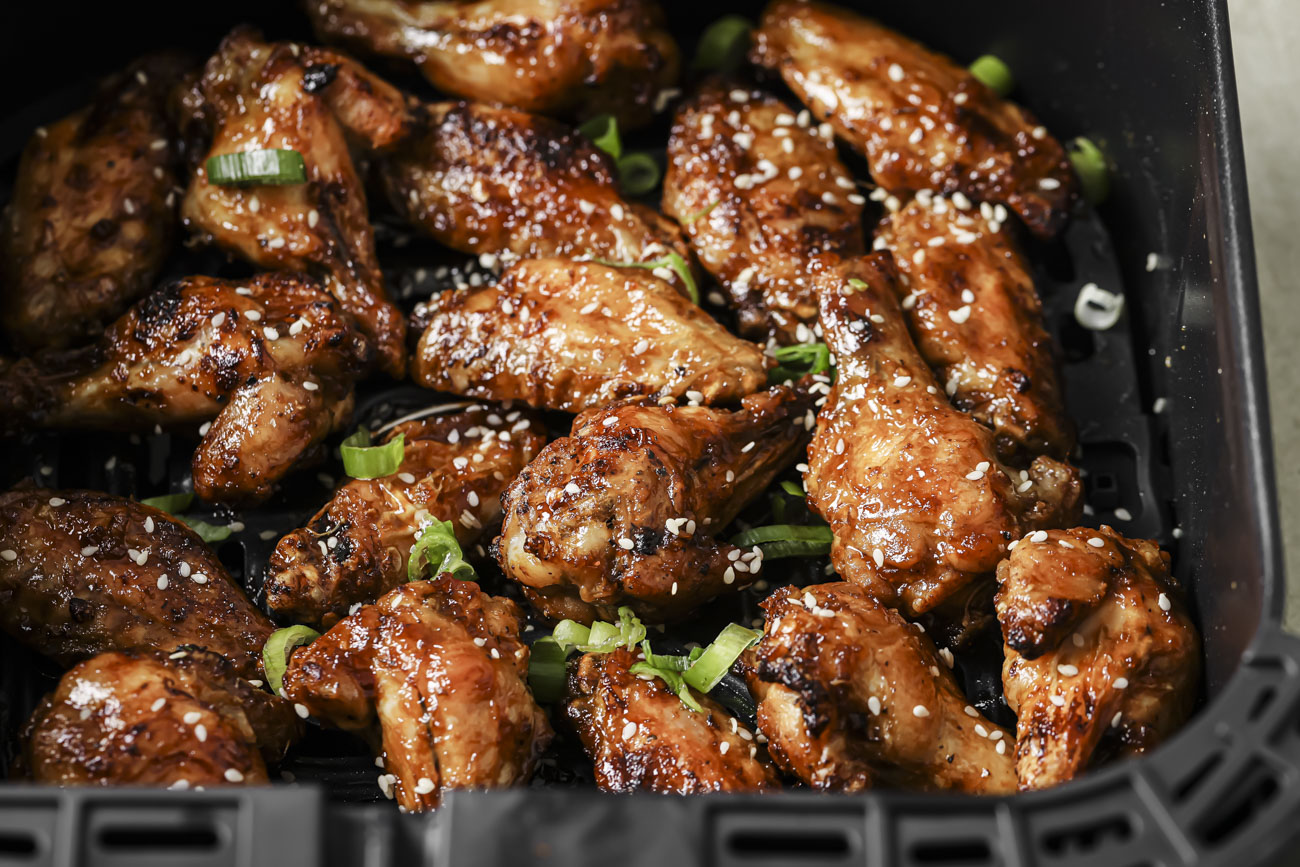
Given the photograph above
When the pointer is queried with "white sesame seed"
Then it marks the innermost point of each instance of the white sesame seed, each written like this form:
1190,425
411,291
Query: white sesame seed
408,478
878,556
234,775
960,315
616,211
1038,536
301,710
1067,670
271,333
1001,747
748,447
162,582
1048,184
895,72
873,704
1163,602
629,729
424,786
1115,720
9,554
572,488
1120,683
920,711
1058,700
310,386
158,705
312,218
184,569
1097,542
89,550
57,501
1123,514
901,381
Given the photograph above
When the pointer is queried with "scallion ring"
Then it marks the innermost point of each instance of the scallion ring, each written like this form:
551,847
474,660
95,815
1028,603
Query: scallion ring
170,503
718,657
638,174
799,360
207,532
546,669
995,74
723,44
603,132
1090,165
361,460
279,647
787,540
271,166
438,548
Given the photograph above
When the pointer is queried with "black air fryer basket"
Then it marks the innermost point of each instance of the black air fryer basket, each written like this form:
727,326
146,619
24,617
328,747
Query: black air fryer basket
1174,430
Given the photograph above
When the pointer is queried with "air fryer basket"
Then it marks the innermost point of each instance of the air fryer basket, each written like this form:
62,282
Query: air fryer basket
1152,83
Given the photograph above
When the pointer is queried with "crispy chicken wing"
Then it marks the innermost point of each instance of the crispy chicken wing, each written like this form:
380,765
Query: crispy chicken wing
256,95
977,320
1101,657
623,511
851,696
642,738
269,361
921,121
571,335
433,676
83,572
183,719
92,214
920,505
766,203
356,548
563,57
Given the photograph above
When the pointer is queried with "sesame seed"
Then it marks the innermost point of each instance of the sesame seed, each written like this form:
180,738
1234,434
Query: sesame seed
895,72
1001,747
201,732
748,447
408,478
311,386
192,717
1058,700
901,381
424,786
572,488
723,747
1038,536
878,556
271,333
184,569
200,578
873,704
162,582
629,729
1096,542
1115,720
1048,184
970,711
57,501
1067,670
625,543
616,211
729,576
1123,514
1120,683
960,315
89,550
158,705
920,711
301,710
1163,602
9,554
158,144
234,776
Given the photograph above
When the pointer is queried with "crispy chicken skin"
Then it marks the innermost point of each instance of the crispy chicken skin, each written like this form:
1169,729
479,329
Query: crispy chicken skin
356,548
624,510
255,95
1102,659
976,318
270,361
568,335
433,676
155,718
642,738
913,489
766,203
573,58
851,696
92,214
921,121
83,572
497,181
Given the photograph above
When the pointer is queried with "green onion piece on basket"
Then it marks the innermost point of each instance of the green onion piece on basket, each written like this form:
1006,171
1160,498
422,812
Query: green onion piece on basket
1090,165
361,460
723,44
207,532
170,503
787,540
638,174
546,664
546,668
603,132
276,166
995,74
793,490
437,547
279,647
716,659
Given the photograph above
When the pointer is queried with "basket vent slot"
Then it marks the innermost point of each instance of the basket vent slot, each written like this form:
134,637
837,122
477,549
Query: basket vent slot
810,844
1252,791
1262,702
971,851
14,844
1198,776
143,838
1093,835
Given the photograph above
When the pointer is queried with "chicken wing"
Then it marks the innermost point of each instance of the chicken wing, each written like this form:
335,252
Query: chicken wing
562,57
180,720
92,214
83,572
356,548
851,696
255,95
920,505
766,203
570,335
623,511
642,738
1101,657
433,676
270,362
921,121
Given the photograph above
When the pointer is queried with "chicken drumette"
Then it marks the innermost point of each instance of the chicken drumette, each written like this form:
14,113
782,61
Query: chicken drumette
851,696
432,675
1102,660
624,510
356,548
92,214
269,361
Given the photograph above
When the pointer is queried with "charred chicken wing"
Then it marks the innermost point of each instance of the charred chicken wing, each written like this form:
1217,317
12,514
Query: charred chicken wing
1102,660
433,676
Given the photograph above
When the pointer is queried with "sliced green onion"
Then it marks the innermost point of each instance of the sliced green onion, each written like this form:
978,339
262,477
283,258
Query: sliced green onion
571,633
437,547
1090,165
279,647
673,261
276,166
787,540
673,679
669,661
703,212
603,132
170,503
723,44
207,532
602,634
718,657
361,460
995,74
546,665
546,669
638,174
793,490
800,360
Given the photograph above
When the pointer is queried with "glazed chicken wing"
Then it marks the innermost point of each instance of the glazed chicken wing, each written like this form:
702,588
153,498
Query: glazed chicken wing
642,738
624,511
562,57
977,320
269,361
851,696
83,572
256,95
1102,659
433,676
921,121
766,203
568,335
181,720
356,548
920,505
92,214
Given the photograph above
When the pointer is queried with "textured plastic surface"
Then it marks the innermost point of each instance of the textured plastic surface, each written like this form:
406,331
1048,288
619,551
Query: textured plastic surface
1152,84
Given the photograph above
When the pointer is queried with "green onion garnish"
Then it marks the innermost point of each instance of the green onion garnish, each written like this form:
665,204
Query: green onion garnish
723,44
703,212
361,460
800,360
793,490
174,503
787,540
672,260
279,647
170,503
716,659
674,679
546,665
995,74
546,669
1090,165
437,547
603,132
207,532
638,173
277,166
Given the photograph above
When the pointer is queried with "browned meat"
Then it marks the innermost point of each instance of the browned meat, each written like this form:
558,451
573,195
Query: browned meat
432,675
356,548
851,696
922,121
83,572
1102,660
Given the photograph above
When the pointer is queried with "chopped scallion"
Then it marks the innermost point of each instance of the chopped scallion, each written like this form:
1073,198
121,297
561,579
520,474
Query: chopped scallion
723,44
718,657
676,683
1090,165
672,260
279,647
800,360
274,166
546,669
207,532
793,490
995,74
787,540
437,548
170,503
361,460
638,174
702,212
603,132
